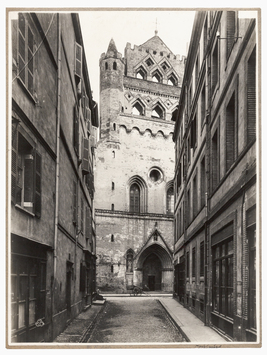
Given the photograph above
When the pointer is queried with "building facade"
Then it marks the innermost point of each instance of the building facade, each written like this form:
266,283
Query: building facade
216,243
139,94
52,230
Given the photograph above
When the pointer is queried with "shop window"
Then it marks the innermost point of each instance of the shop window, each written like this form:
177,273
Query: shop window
222,269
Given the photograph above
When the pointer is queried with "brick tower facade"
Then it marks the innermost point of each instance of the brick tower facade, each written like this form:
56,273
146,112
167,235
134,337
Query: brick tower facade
139,96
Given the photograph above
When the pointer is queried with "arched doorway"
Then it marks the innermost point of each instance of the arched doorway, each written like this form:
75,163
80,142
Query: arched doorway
152,272
154,268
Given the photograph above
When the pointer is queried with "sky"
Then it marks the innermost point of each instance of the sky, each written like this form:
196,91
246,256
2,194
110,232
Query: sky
135,27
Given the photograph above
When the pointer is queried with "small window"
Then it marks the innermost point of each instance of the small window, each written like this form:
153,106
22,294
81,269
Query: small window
170,200
113,154
114,65
112,238
112,207
112,186
157,77
111,269
114,126
106,66
155,175
149,62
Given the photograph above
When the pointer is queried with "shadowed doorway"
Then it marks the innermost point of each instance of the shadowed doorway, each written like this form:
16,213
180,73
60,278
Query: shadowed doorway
152,272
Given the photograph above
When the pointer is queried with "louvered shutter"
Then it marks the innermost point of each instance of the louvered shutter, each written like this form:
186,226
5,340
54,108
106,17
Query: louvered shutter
76,130
28,182
86,156
14,160
74,203
21,48
230,31
82,277
78,60
38,171
30,61
251,97
230,133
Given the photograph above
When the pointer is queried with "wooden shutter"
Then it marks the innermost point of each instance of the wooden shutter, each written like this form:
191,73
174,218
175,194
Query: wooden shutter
88,222
74,202
86,156
231,25
251,97
30,61
230,132
76,130
82,277
22,48
14,160
38,171
78,60
28,182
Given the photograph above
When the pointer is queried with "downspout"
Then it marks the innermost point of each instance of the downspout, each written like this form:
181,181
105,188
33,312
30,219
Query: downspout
53,288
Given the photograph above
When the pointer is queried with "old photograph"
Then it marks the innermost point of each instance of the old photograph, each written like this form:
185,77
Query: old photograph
133,195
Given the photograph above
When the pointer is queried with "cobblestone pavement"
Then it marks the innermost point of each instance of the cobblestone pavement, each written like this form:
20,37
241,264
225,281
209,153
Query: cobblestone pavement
134,320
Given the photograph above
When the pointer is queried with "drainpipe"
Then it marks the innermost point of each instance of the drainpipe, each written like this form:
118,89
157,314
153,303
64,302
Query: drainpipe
57,175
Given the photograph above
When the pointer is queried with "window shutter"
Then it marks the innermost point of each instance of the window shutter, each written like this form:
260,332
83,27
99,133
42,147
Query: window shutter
82,277
21,49
38,171
88,222
251,97
14,161
30,61
74,202
86,156
78,60
28,182
230,133
76,130
230,31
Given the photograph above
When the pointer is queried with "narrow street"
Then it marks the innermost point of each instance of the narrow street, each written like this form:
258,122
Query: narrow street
134,320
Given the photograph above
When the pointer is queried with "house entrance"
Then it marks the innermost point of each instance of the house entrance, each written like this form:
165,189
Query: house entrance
152,272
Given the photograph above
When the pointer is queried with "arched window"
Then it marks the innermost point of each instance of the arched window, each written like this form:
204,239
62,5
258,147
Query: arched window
157,77
129,261
106,65
138,109
170,200
141,73
158,112
112,238
114,126
172,80
114,65
137,190
134,198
